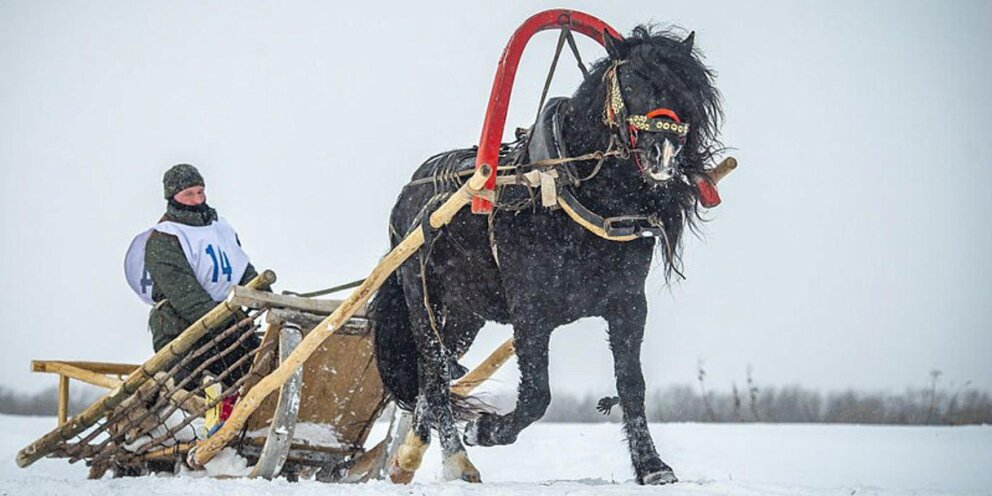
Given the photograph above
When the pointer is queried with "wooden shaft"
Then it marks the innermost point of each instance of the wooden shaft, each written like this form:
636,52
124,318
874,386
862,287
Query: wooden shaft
485,370
63,399
206,450
720,171
160,361
67,370
363,465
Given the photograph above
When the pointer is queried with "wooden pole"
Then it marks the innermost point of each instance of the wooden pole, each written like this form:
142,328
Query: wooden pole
485,370
63,398
720,171
160,361
361,470
206,450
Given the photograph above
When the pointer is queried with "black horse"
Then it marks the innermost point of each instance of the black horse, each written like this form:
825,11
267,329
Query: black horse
652,107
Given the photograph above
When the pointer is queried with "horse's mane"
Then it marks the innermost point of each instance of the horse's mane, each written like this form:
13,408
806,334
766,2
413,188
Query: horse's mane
659,55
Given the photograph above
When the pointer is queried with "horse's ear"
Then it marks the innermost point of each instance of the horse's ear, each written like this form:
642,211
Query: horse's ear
614,46
688,41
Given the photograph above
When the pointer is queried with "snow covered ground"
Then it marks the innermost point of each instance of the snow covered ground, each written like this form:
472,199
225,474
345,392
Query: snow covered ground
591,459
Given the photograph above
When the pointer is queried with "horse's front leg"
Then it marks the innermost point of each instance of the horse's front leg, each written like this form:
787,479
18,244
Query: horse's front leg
626,328
533,393
435,384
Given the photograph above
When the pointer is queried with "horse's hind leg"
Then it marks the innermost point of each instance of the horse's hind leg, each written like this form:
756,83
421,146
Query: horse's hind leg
435,381
626,329
410,453
533,393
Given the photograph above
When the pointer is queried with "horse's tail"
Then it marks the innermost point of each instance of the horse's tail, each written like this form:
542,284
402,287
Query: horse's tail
395,350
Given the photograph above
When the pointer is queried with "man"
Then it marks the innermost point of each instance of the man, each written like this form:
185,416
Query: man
186,264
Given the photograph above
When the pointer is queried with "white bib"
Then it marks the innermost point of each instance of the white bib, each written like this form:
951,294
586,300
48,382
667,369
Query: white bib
212,251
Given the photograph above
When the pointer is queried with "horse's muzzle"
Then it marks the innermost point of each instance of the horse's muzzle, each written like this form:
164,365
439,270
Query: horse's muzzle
660,161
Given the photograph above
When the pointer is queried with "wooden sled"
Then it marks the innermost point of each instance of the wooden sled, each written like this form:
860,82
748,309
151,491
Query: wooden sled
320,419
316,424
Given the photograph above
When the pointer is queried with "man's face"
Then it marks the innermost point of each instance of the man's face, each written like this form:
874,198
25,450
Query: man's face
191,196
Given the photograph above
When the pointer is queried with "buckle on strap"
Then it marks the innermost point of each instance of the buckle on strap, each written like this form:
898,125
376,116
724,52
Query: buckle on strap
642,230
609,228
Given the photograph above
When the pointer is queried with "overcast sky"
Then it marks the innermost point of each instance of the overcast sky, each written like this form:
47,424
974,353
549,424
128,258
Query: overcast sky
851,250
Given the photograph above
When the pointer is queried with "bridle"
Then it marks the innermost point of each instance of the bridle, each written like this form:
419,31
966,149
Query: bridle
627,126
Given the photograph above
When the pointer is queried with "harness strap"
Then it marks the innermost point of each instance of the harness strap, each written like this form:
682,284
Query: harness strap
546,180
578,57
548,162
608,228
551,72
335,289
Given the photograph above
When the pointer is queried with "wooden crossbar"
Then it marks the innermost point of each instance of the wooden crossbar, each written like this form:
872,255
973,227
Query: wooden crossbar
251,298
88,372
96,367
71,370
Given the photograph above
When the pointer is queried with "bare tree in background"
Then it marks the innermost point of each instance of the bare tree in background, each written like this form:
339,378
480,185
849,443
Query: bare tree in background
752,391
701,376
934,403
737,402
952,411
934,376
45,402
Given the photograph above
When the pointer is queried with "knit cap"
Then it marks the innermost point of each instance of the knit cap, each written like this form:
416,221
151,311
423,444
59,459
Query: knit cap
180,177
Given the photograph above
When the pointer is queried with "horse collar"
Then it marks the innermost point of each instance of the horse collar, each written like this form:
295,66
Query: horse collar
547,141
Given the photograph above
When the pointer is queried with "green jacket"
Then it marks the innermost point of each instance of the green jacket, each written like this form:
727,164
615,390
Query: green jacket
180,300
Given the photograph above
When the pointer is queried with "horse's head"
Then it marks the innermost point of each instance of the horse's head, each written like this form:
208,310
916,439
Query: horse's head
653,102
661,103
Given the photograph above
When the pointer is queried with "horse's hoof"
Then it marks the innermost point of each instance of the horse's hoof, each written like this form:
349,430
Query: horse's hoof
471,436
457,370
659,478
488,430
408,457
458,467
397,475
